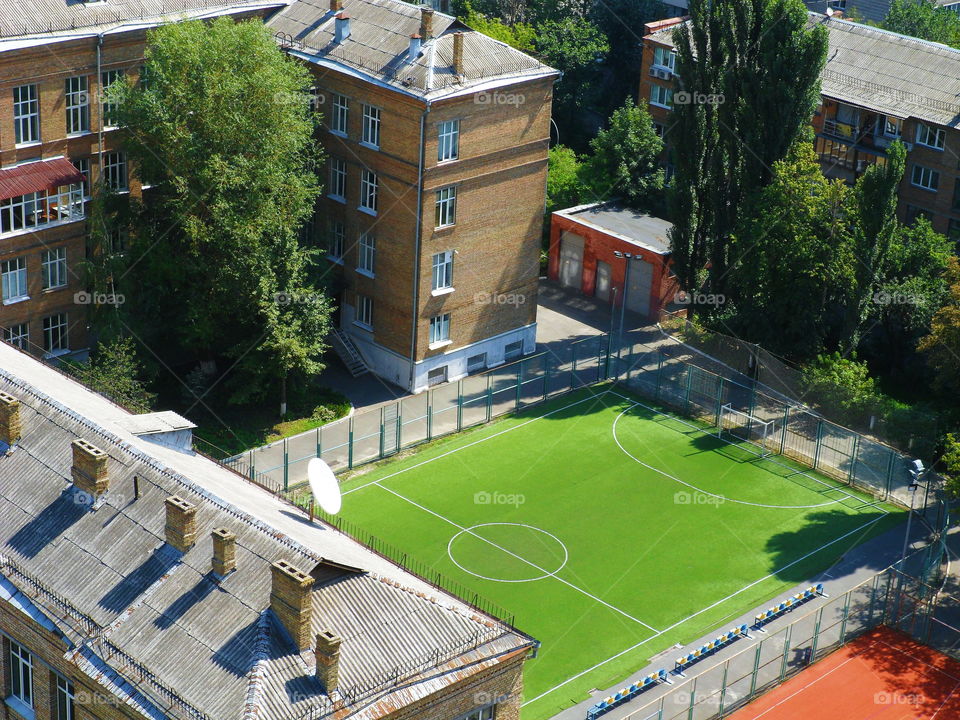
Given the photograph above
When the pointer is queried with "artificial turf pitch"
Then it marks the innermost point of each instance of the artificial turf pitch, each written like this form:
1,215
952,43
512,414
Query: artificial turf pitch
574,515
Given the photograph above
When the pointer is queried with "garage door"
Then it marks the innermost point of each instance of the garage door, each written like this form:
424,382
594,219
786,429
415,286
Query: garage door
638,294
571,261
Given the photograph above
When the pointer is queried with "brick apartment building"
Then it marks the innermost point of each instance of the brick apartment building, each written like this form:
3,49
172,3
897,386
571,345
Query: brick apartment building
877,86
139,580
436,138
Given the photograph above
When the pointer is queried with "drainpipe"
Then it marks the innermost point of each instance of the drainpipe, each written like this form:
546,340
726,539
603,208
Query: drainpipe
99,80
416,252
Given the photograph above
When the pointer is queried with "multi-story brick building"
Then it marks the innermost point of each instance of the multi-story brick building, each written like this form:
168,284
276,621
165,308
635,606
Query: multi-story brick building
139,580
877,87
57,141
436,138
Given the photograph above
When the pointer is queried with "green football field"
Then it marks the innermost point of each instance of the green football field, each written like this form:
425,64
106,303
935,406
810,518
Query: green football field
610,529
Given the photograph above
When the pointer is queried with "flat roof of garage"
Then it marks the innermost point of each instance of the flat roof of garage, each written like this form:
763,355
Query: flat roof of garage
617,220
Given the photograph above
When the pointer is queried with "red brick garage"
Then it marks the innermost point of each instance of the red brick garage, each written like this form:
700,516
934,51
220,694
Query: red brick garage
583,240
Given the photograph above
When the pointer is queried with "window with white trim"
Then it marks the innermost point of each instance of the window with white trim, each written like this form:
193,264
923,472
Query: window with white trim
932,137
371,126
115,171
439,328
26,114
65,699
21,674
53,268
484,713
336,240
77,93
83,167
513,350
365,310
446,206
17,335
338,178
366,255
476,363
38,209
448,141
55,333
108,110
664,57
925,178
661,96
443,270
368,190
339,114
13,278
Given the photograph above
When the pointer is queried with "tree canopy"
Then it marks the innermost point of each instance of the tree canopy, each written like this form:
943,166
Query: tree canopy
924,19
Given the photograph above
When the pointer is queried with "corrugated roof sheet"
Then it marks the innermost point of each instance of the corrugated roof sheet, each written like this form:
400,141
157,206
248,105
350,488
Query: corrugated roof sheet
36,176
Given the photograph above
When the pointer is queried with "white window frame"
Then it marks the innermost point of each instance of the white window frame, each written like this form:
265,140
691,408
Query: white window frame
83,167
56,332
440,330
336,241
661,96
41,209
446,207
364,312
107,109
931,137
438,375
442,272
21,674
114,172
26,114
13,279
338,179
77,100
340,114
65,699
370,135
886,122
671,58
17,335
924,177
366,254
369,189
448,141
53,268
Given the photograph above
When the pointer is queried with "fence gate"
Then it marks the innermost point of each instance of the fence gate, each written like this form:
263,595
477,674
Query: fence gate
391,428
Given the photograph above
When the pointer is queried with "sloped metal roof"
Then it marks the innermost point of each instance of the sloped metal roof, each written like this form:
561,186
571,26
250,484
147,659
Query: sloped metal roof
35,176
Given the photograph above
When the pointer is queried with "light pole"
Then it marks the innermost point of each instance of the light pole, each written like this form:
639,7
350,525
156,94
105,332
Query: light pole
626,257
915,468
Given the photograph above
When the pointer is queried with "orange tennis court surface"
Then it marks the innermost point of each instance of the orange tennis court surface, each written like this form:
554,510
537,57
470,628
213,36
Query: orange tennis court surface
883,675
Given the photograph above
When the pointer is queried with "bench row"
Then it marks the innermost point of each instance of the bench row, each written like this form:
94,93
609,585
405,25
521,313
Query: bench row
627,693
789,604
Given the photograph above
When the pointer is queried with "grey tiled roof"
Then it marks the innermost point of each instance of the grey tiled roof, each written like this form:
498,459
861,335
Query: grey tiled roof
886,72
379,42
152,623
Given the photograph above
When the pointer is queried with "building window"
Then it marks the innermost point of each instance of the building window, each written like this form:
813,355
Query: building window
65,699
83,167
476,363
440,328
512,351
115,171
338,235
365,311
661,96
932,137
21,674
367,254
108,110
659,129
446,207
664,57
116,240
77,93
443,270
53,268
448,143
368,191
17,335
889,126
338,179
484,713
437,376
13,277
925,178
26,114
40,208
339,114
55,333
371,126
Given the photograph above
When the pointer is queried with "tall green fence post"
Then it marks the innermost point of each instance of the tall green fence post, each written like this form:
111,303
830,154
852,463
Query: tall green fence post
573,370
756,669
816,452
320,441
429,415
459,406
600,360
253,468
816,633
489,398
686,394
656,395
783,430
718,403
519,383
723,686
693,698
853,459
546,377
890,465
382,433
350,444
399,425
846,614
787,634
286,465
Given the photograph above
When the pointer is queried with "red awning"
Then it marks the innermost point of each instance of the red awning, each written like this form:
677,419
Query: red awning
37,176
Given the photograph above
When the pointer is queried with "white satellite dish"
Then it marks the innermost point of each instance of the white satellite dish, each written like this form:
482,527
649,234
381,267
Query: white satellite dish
324,486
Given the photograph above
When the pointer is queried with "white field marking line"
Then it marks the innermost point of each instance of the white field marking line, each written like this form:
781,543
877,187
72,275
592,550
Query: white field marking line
566,553
950,695
477,442
695,488
830,488
518,557
700,612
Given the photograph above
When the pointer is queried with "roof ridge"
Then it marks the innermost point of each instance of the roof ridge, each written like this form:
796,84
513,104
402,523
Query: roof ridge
853,26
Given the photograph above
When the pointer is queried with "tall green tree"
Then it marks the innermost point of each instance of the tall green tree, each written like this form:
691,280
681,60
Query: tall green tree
748,84
115,370
942,344
224,133
923,19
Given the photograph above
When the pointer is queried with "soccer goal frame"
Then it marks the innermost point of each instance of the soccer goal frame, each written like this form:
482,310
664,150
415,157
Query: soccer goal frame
745,427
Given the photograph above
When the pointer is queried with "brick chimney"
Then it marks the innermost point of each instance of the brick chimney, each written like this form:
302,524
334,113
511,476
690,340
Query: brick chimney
89,470
426,23
341,28
458,53
336,5
327,652
291,601
9,419
224,551
181,527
